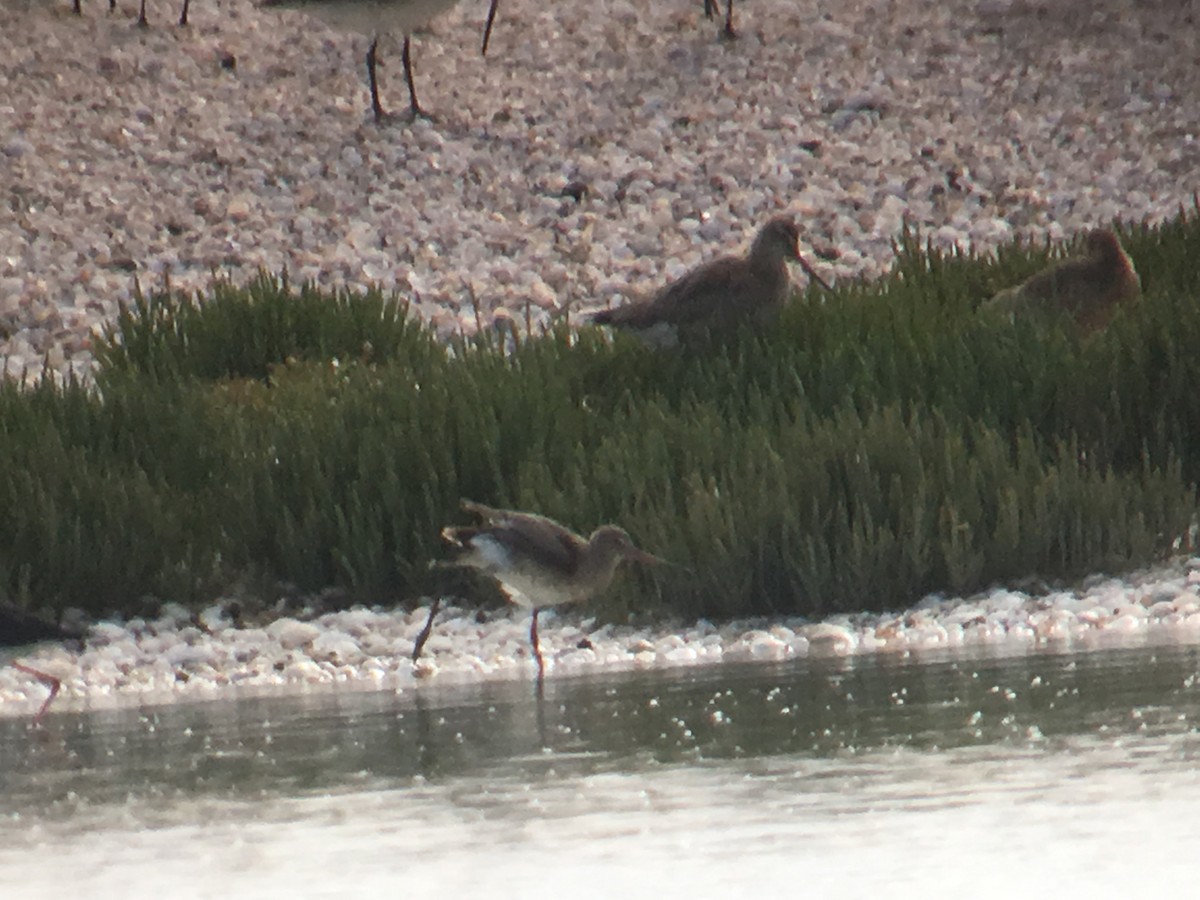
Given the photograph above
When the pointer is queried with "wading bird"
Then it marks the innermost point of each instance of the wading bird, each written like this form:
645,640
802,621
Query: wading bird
19,631
538,562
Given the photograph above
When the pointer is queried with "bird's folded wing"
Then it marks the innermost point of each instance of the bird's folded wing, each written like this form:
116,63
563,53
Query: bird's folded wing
539,541
529,535
698,295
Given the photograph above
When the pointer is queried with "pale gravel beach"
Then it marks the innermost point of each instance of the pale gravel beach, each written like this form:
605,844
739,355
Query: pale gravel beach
245,140
179,656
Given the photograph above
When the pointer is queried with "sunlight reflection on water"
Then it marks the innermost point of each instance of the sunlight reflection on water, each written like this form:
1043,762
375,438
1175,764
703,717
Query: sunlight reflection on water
1044,775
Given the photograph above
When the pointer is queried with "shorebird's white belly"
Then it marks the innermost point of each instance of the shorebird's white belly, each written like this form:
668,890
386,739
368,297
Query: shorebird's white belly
531,592
530,586
371,16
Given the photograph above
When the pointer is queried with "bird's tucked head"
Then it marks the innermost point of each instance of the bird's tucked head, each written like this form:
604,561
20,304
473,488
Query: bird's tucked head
1104,244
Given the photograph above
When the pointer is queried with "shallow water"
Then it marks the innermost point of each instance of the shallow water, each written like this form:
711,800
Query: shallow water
1044,774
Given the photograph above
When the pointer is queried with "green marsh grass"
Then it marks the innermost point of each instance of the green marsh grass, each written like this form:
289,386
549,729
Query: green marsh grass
880,443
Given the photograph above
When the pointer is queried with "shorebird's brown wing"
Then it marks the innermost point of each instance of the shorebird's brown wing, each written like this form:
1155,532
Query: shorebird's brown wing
485,512
625,314
698,296
541,542
1070,286
1065,281
530,536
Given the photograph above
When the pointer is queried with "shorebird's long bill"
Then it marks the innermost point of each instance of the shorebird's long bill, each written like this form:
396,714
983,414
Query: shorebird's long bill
812,273
651,560
641,556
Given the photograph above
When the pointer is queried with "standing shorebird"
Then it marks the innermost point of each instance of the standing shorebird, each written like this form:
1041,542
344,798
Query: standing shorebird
1089,288
539,562
712,7
19,630
374,17
721,294
77,6
183,13
142,20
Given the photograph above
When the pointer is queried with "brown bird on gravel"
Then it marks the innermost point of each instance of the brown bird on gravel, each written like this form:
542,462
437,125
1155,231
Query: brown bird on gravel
719,295
539,562
1090,289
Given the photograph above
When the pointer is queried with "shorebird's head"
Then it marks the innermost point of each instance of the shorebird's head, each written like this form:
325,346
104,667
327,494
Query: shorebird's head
608,542
779,237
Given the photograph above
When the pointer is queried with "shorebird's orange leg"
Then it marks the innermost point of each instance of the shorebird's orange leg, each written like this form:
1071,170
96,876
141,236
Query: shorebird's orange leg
49,680
533,639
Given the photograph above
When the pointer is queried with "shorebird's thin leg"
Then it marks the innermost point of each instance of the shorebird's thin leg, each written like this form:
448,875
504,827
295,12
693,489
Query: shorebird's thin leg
812,273
376,106
487,29
427,630
142,20
112,5
533,639
539,696
183,15
406,55
78,11
49,680
712,7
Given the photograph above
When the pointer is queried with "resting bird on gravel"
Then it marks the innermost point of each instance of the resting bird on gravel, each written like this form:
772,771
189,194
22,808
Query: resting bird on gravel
719,295
1090,289
539,562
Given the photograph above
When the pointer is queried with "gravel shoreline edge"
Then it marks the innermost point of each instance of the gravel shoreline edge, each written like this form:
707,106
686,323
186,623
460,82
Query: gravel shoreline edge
184,658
